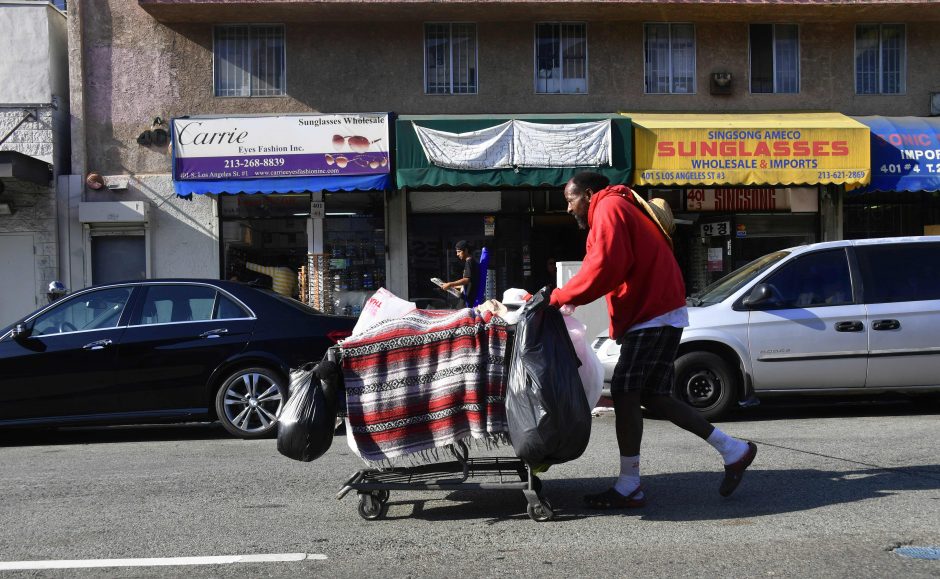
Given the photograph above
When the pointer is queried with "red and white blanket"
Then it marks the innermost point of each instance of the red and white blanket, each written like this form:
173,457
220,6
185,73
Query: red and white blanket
426,380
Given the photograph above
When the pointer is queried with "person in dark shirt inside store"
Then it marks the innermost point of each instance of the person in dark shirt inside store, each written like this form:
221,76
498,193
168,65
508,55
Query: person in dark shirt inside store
471,272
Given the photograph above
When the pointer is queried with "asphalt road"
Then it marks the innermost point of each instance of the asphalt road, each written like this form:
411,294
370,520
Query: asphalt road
833,490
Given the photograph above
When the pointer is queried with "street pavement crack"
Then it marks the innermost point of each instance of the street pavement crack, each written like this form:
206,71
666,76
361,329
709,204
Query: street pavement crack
852,461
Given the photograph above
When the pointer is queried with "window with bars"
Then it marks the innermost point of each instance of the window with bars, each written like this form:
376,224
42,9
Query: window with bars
880,59
561,58
775,58
249,60
669,58
450,58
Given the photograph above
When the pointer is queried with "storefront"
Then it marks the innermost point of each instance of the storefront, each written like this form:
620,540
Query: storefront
301,200
903,197
497,182
741,186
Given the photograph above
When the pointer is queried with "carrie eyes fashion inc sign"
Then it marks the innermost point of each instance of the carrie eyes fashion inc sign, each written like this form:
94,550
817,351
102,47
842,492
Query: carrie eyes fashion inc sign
214,148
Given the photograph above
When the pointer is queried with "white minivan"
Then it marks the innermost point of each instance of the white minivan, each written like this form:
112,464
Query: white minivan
840,317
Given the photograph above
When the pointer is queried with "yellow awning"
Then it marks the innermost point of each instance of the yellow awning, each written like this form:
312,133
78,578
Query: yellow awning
750,149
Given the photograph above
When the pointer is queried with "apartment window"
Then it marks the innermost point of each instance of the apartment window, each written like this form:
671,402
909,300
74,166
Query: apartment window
450,58
669,58
249,61
775,58
560,57
880,59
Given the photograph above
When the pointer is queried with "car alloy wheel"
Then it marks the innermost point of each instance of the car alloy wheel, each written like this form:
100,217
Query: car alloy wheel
249,402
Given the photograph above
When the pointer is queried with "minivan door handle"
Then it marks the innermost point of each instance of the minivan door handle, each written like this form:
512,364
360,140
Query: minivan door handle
850,326
99,345
216,333
885,325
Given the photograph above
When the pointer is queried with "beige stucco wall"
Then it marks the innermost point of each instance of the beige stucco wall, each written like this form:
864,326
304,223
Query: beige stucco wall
138,68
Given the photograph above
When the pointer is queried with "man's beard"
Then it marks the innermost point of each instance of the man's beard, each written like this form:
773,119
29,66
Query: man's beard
581,221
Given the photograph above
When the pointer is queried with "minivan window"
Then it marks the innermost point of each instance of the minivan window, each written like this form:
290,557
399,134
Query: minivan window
813,280
724,287
907,272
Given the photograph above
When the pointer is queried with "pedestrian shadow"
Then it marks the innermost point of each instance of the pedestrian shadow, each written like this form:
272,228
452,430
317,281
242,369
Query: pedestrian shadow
693,496
681,497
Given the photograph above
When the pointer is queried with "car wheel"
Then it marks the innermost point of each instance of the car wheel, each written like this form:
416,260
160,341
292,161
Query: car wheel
707,383
249,402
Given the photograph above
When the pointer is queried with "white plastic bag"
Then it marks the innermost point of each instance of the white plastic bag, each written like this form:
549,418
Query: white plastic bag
591,370
383,305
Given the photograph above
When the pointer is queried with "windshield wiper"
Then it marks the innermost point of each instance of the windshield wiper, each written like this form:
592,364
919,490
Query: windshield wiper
693,301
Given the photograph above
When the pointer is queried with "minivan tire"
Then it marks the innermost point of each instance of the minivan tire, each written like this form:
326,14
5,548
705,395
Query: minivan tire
706,382
249,401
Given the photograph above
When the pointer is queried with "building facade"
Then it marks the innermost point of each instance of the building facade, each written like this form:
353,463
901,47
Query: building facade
34,148
137,63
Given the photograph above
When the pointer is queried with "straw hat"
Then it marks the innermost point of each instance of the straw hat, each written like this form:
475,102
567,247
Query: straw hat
659,212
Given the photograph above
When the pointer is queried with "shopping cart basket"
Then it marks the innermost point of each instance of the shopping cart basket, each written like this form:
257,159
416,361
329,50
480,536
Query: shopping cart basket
374,485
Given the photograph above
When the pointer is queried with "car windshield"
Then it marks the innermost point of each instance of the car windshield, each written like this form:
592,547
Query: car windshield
732,282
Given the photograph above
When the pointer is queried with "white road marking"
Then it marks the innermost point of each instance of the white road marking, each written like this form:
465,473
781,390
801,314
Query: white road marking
159,562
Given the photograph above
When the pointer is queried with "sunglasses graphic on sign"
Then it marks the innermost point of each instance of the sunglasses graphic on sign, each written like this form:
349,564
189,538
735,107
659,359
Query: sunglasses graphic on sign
341,161
356,143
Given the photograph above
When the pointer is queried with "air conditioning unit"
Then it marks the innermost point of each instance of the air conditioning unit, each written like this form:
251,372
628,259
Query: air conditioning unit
113,211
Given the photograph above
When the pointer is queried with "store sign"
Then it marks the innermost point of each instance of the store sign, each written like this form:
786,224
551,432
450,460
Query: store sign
741,155
716,229
737,199
905,153
280,146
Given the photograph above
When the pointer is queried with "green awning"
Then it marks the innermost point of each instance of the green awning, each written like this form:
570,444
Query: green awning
415,171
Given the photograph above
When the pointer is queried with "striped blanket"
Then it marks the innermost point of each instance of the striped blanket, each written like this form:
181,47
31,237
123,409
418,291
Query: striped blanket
426,380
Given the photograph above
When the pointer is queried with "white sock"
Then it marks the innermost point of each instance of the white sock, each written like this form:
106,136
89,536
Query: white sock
731,449
629,478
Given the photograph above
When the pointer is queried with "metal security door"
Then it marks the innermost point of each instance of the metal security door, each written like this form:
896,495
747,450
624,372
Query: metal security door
19,288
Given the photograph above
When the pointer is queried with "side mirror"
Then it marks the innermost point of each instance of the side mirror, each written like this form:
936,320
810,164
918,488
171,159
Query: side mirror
760,295
21,332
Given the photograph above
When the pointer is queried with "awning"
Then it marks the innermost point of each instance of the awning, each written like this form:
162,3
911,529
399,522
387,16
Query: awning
905,153
750,149
17,166
415,170
285,185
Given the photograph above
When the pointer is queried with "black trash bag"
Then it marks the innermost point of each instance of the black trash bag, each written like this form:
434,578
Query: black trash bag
547,410
307,421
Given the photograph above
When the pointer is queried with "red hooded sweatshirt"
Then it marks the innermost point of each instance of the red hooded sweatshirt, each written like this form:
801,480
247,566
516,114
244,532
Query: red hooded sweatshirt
629,260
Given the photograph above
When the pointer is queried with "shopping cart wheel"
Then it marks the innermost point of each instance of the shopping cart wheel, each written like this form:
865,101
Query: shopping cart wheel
541,513
370,507
382,495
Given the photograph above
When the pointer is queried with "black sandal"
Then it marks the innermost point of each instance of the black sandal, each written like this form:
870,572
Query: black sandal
611,499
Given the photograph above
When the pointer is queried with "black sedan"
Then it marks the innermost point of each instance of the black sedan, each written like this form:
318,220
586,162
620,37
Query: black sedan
160,351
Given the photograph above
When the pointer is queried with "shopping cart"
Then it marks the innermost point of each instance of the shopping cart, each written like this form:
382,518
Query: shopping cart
374,485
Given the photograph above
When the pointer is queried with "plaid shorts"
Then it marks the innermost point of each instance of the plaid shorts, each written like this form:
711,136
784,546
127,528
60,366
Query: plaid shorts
646,361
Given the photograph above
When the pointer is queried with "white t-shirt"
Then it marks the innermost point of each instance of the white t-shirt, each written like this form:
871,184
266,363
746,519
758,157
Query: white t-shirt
677,318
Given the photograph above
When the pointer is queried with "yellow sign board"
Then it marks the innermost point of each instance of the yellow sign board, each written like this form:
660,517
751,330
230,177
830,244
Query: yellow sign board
769,149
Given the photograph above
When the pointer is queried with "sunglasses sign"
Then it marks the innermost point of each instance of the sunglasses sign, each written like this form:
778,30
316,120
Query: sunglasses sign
280,146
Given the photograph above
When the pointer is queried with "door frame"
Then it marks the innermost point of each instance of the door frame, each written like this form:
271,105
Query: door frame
104,230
